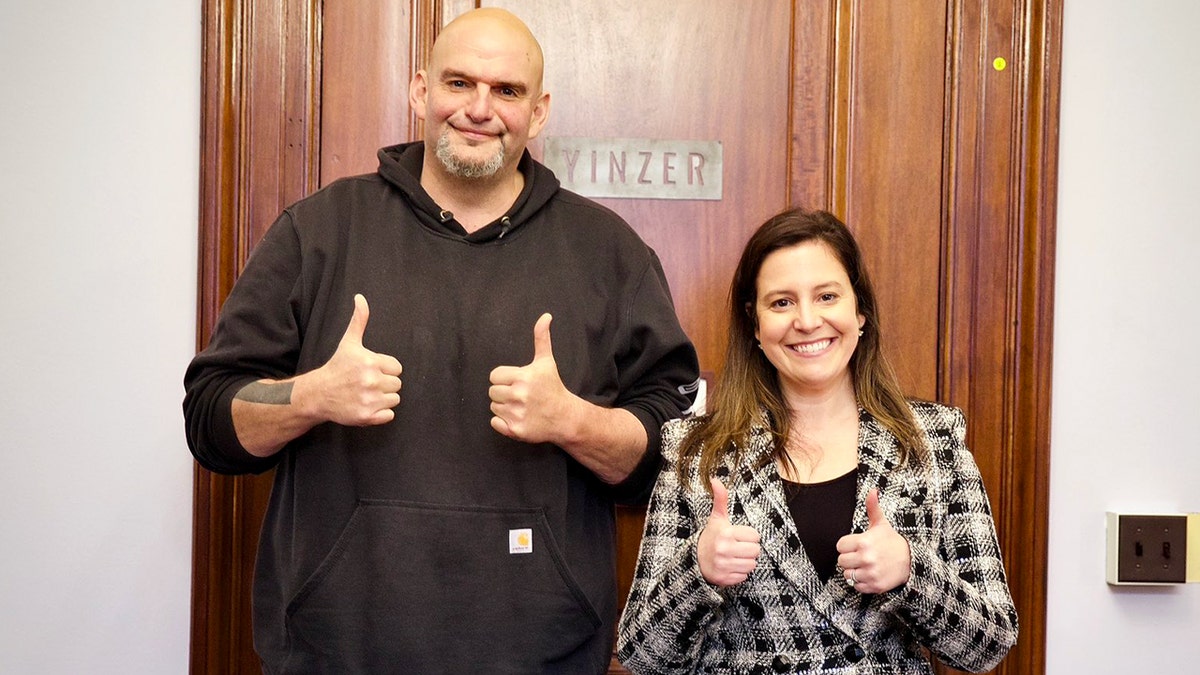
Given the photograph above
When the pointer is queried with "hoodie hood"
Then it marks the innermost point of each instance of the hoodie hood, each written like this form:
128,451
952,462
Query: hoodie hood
400,165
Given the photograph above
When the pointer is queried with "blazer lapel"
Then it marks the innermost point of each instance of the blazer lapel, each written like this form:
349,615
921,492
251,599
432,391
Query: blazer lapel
877,459
764,506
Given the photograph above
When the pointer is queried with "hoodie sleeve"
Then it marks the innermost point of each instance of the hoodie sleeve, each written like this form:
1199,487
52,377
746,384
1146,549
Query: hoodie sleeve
658,373
257,336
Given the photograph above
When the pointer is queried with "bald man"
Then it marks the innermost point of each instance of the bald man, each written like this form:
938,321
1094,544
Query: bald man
455,367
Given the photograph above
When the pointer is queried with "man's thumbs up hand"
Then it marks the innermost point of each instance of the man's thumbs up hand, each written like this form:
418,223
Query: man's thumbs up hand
356,387
529,402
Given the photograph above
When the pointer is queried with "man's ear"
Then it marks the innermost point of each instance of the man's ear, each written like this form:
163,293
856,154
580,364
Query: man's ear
417,90
541,113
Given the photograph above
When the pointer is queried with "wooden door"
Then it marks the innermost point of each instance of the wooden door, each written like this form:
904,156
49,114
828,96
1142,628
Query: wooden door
898,116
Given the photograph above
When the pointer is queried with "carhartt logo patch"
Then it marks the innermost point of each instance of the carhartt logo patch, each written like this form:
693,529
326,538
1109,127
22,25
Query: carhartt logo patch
520,541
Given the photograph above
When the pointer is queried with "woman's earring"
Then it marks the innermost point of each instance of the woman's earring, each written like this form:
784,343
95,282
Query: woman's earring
860,332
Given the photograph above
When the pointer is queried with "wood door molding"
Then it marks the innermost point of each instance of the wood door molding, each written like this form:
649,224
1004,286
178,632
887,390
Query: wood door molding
259,121
997,319
259,131
1028,487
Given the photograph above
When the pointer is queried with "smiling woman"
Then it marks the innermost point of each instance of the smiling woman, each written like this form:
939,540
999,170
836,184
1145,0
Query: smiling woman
808,320
814,515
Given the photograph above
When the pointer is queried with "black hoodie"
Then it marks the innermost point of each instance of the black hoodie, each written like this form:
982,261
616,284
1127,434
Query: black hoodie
401,547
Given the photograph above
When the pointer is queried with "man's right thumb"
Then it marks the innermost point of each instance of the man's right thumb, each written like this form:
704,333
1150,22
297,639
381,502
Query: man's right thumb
720,500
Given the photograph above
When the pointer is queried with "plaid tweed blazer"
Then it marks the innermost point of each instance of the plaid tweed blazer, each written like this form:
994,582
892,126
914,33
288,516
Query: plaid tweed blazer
783,618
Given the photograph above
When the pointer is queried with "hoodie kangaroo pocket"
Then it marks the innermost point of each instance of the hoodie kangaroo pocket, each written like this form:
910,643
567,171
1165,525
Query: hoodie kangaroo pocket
412,587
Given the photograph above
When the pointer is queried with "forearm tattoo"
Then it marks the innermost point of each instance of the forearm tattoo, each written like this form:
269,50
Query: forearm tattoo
271,393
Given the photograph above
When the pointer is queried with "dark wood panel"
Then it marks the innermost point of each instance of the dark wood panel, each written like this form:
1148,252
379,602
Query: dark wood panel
893,169
365,69
280,106
813,101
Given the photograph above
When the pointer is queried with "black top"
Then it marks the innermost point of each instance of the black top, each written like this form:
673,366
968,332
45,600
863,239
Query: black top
823,513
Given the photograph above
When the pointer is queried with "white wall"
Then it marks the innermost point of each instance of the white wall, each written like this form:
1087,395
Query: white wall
98,186
1126,360
99,142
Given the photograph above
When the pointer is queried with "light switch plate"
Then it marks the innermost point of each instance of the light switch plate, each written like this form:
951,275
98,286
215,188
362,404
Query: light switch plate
1150,549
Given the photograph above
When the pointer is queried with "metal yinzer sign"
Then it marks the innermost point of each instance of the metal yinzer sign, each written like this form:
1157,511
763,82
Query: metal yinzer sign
636,168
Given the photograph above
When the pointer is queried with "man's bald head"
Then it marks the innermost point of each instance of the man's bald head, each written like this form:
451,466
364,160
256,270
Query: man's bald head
490,32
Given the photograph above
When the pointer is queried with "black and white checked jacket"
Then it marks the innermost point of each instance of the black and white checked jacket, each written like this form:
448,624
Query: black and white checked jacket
956,603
